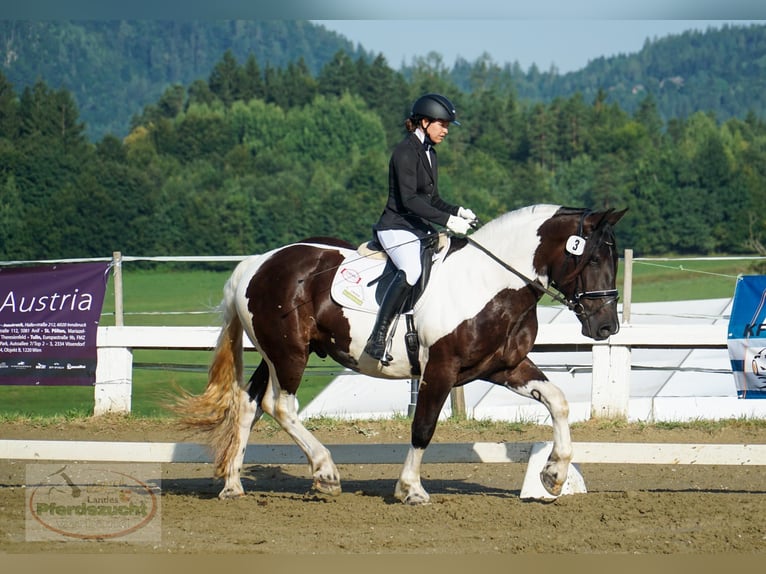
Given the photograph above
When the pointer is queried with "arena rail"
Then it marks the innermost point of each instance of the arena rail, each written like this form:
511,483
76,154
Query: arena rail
610,368
534,454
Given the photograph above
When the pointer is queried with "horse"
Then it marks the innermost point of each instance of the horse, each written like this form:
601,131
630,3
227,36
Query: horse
476,319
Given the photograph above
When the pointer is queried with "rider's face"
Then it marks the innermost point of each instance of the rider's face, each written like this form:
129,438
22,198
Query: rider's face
437,130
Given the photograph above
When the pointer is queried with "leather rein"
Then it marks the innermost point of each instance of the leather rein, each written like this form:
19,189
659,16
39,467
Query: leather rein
572,303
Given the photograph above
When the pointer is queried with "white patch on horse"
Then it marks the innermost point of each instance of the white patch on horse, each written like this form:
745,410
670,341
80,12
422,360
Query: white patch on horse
454,295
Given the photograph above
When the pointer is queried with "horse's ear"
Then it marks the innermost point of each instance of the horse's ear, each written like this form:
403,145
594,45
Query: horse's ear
614,216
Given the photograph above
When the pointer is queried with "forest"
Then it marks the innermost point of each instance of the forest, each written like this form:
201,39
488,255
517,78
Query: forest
254,156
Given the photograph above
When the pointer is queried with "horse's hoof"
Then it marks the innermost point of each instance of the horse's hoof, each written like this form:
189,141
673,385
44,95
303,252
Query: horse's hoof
412,498
325,487
230,493
417,500
550,483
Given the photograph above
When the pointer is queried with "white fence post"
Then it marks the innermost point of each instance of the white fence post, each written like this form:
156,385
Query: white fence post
610,392
114,381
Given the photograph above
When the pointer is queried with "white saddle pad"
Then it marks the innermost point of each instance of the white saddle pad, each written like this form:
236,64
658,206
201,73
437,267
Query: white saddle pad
351,285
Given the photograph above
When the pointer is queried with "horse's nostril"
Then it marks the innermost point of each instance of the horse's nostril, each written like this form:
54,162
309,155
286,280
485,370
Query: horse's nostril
606,330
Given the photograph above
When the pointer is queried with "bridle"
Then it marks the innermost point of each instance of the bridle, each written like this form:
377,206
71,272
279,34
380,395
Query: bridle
573,302
605,234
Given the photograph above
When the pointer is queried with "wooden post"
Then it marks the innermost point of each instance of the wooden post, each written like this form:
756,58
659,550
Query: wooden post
627,286
457,402
119,319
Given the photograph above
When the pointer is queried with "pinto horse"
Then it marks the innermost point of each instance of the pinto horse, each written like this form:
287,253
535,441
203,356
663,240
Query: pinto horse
476,319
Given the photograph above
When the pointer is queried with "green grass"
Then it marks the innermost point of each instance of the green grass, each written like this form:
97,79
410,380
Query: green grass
655,281
189,298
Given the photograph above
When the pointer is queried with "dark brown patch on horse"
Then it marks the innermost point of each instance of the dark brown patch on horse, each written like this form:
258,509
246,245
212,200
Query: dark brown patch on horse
293,288
493,342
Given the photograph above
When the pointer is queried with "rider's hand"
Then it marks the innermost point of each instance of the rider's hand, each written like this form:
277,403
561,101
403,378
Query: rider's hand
458,225
466,214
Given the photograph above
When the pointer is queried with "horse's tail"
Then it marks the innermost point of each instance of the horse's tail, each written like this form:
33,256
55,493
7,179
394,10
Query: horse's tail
216,411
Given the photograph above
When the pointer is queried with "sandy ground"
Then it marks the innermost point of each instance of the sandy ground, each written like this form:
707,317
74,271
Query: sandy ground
475,508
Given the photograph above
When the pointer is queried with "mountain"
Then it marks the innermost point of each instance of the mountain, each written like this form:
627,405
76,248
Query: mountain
115,68
721,70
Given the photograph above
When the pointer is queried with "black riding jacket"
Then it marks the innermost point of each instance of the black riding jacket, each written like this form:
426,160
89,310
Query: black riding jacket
413,196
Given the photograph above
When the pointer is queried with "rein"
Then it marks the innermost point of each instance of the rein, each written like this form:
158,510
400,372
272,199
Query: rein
532,283
573,303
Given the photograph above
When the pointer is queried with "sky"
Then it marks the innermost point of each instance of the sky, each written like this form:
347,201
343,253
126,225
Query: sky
567,44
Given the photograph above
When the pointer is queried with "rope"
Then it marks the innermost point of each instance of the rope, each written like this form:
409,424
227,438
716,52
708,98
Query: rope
681,268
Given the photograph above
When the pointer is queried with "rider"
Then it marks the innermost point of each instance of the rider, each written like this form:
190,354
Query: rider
413,205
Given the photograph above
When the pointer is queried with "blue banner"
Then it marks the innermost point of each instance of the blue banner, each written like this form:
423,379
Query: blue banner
49,319
747,337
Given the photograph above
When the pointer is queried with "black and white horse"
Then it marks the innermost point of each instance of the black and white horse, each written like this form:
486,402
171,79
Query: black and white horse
476,319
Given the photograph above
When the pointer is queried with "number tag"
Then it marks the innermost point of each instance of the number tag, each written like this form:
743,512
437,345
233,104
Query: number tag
575,245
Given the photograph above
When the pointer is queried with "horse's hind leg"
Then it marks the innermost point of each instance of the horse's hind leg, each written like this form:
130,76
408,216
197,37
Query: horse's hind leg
527,380
281,405
249,411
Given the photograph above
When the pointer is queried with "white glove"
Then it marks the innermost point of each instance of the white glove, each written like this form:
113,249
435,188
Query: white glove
458,225
466,214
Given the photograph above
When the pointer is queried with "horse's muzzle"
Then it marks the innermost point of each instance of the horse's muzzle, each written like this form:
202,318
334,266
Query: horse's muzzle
600,330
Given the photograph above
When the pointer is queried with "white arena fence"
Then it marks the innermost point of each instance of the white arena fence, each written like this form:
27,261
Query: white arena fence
611,359
533,454
611,368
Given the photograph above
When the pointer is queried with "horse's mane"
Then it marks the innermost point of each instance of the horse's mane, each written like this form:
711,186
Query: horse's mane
499,230
512,220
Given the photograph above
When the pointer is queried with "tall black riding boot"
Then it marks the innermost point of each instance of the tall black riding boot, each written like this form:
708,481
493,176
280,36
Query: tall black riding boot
390,306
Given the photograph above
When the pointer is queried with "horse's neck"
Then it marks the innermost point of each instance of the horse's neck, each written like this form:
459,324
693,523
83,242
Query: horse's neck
514,242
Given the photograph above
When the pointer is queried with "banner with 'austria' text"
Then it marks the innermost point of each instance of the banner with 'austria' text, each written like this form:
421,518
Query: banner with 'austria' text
49,318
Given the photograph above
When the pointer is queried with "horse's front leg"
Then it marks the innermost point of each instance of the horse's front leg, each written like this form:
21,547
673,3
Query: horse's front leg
431,399
529,381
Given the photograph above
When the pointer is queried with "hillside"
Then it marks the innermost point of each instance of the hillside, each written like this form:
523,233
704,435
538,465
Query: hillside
719,70
115,68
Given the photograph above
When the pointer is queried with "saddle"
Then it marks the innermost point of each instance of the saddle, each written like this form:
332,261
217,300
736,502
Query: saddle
363,277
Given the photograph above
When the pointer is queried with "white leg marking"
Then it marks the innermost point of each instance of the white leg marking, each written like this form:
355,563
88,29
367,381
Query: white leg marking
248,414
408,488
282,406
555,471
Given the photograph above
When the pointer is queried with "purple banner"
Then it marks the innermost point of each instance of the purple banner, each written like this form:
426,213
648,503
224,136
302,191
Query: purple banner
49,323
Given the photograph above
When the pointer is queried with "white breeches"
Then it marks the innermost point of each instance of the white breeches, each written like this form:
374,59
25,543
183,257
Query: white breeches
403,247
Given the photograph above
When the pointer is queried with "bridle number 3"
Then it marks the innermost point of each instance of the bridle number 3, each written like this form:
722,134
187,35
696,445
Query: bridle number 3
575,245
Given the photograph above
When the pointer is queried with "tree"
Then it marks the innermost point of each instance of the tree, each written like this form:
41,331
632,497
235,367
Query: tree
251,80
51,114
225,79
339,75
9,110
14,234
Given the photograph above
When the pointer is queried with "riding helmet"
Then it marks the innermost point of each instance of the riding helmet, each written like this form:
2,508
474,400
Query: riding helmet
436,107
